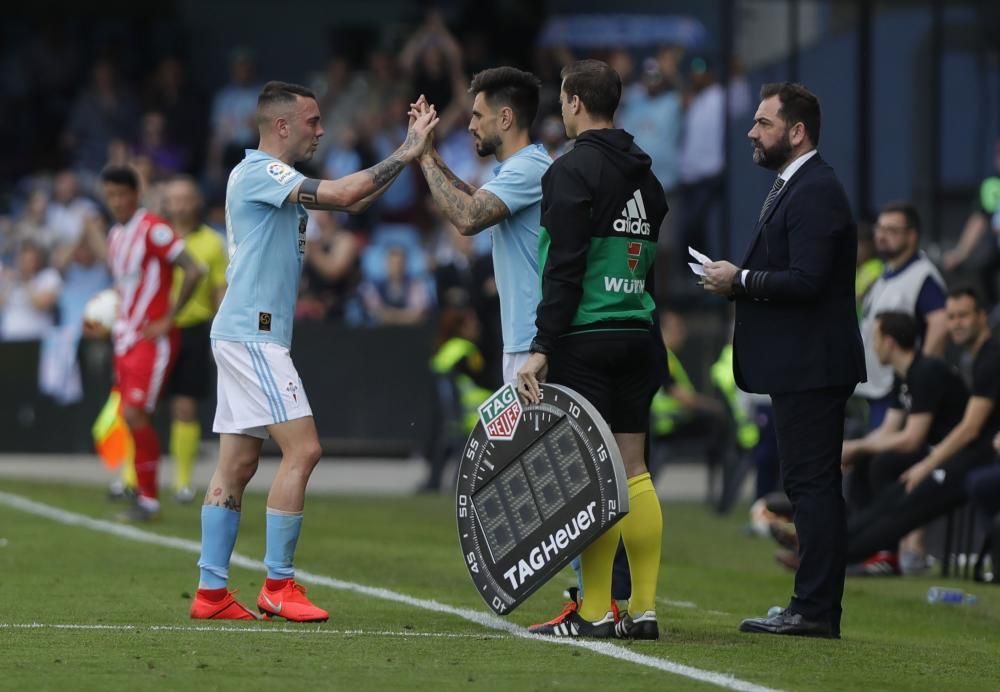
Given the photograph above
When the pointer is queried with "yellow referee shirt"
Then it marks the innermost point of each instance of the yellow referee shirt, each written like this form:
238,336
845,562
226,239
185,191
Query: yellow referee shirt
208,248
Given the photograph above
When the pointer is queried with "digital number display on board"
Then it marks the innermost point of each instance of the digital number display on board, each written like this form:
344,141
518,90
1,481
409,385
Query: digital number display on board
537,484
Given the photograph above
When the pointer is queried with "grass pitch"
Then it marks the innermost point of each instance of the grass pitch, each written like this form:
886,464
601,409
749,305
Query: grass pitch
83,610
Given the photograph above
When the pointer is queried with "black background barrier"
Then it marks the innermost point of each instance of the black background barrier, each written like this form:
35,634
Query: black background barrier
370,390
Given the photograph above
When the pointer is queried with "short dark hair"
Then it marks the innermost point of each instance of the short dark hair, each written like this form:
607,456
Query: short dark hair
908,211
967,292
283,93
798,105
900,326
597,85
512,87
121,175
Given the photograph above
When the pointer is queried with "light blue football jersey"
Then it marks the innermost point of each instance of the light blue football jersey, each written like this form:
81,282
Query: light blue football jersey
266,237
518,184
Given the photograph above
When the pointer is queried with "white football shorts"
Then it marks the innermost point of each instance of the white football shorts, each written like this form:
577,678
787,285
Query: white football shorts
258,386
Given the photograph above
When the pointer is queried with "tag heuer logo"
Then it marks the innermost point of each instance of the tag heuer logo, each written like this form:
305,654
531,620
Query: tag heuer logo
501,413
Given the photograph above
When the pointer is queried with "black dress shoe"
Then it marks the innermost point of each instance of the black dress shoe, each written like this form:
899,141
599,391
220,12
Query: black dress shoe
787,622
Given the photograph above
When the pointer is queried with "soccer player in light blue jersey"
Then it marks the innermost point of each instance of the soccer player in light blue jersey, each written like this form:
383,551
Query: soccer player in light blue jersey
506,101
259,391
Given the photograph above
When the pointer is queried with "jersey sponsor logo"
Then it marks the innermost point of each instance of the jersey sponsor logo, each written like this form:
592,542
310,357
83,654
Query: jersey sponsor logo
634,252
161,235
550,547
264,321
280,172
501,413
616,284
633,217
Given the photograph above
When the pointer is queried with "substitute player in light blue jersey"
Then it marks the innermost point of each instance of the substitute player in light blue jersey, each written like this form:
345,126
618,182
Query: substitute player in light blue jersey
506,100
259,391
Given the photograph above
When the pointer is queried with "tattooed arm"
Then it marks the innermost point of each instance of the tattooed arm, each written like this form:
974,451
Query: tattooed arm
356,191
469,209
359,207
455,181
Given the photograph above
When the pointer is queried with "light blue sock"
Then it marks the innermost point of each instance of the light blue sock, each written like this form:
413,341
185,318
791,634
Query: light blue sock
282,534
219,527
579,576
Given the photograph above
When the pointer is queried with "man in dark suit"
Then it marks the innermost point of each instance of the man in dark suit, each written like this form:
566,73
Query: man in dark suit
797,339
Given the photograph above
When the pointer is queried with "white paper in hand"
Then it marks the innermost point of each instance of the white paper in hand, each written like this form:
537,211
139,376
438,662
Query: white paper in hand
704,259
697,267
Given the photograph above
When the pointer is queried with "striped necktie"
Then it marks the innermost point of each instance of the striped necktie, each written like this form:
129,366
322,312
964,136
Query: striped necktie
779,182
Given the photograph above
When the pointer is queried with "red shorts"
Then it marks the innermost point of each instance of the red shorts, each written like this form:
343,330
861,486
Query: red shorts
141,371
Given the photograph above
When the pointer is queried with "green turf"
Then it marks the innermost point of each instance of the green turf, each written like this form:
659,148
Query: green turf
72,575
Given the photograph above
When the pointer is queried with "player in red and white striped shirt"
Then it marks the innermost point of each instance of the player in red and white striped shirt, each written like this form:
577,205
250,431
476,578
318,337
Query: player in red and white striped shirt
142,250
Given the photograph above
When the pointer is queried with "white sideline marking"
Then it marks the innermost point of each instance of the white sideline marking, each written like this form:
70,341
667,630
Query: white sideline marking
678,604
487,620
242,630
690,605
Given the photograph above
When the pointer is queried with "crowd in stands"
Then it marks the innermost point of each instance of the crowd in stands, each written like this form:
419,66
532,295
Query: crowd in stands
398,263
390,265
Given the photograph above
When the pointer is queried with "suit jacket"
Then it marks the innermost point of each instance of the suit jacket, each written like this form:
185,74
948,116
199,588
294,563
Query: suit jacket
796,324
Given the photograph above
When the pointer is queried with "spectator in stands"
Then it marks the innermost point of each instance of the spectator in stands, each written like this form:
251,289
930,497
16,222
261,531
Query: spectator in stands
936,484
102,114
399,202
342,156
927,401
382,81
165,158
341,99
233,111
84,274
653,115
622,62
552,136
452,255
910,283
702,155
70,212
432,61
330,275
170,93
28,295
398,298
34,225
461,263
978,248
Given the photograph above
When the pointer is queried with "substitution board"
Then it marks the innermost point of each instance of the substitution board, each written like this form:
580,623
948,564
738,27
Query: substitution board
537,483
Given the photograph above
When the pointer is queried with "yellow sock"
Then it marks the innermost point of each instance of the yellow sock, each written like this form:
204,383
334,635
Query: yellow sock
596,562
642,532
128,472
184,440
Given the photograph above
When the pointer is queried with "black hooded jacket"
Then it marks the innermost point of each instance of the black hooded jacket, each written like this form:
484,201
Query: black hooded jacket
602,208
